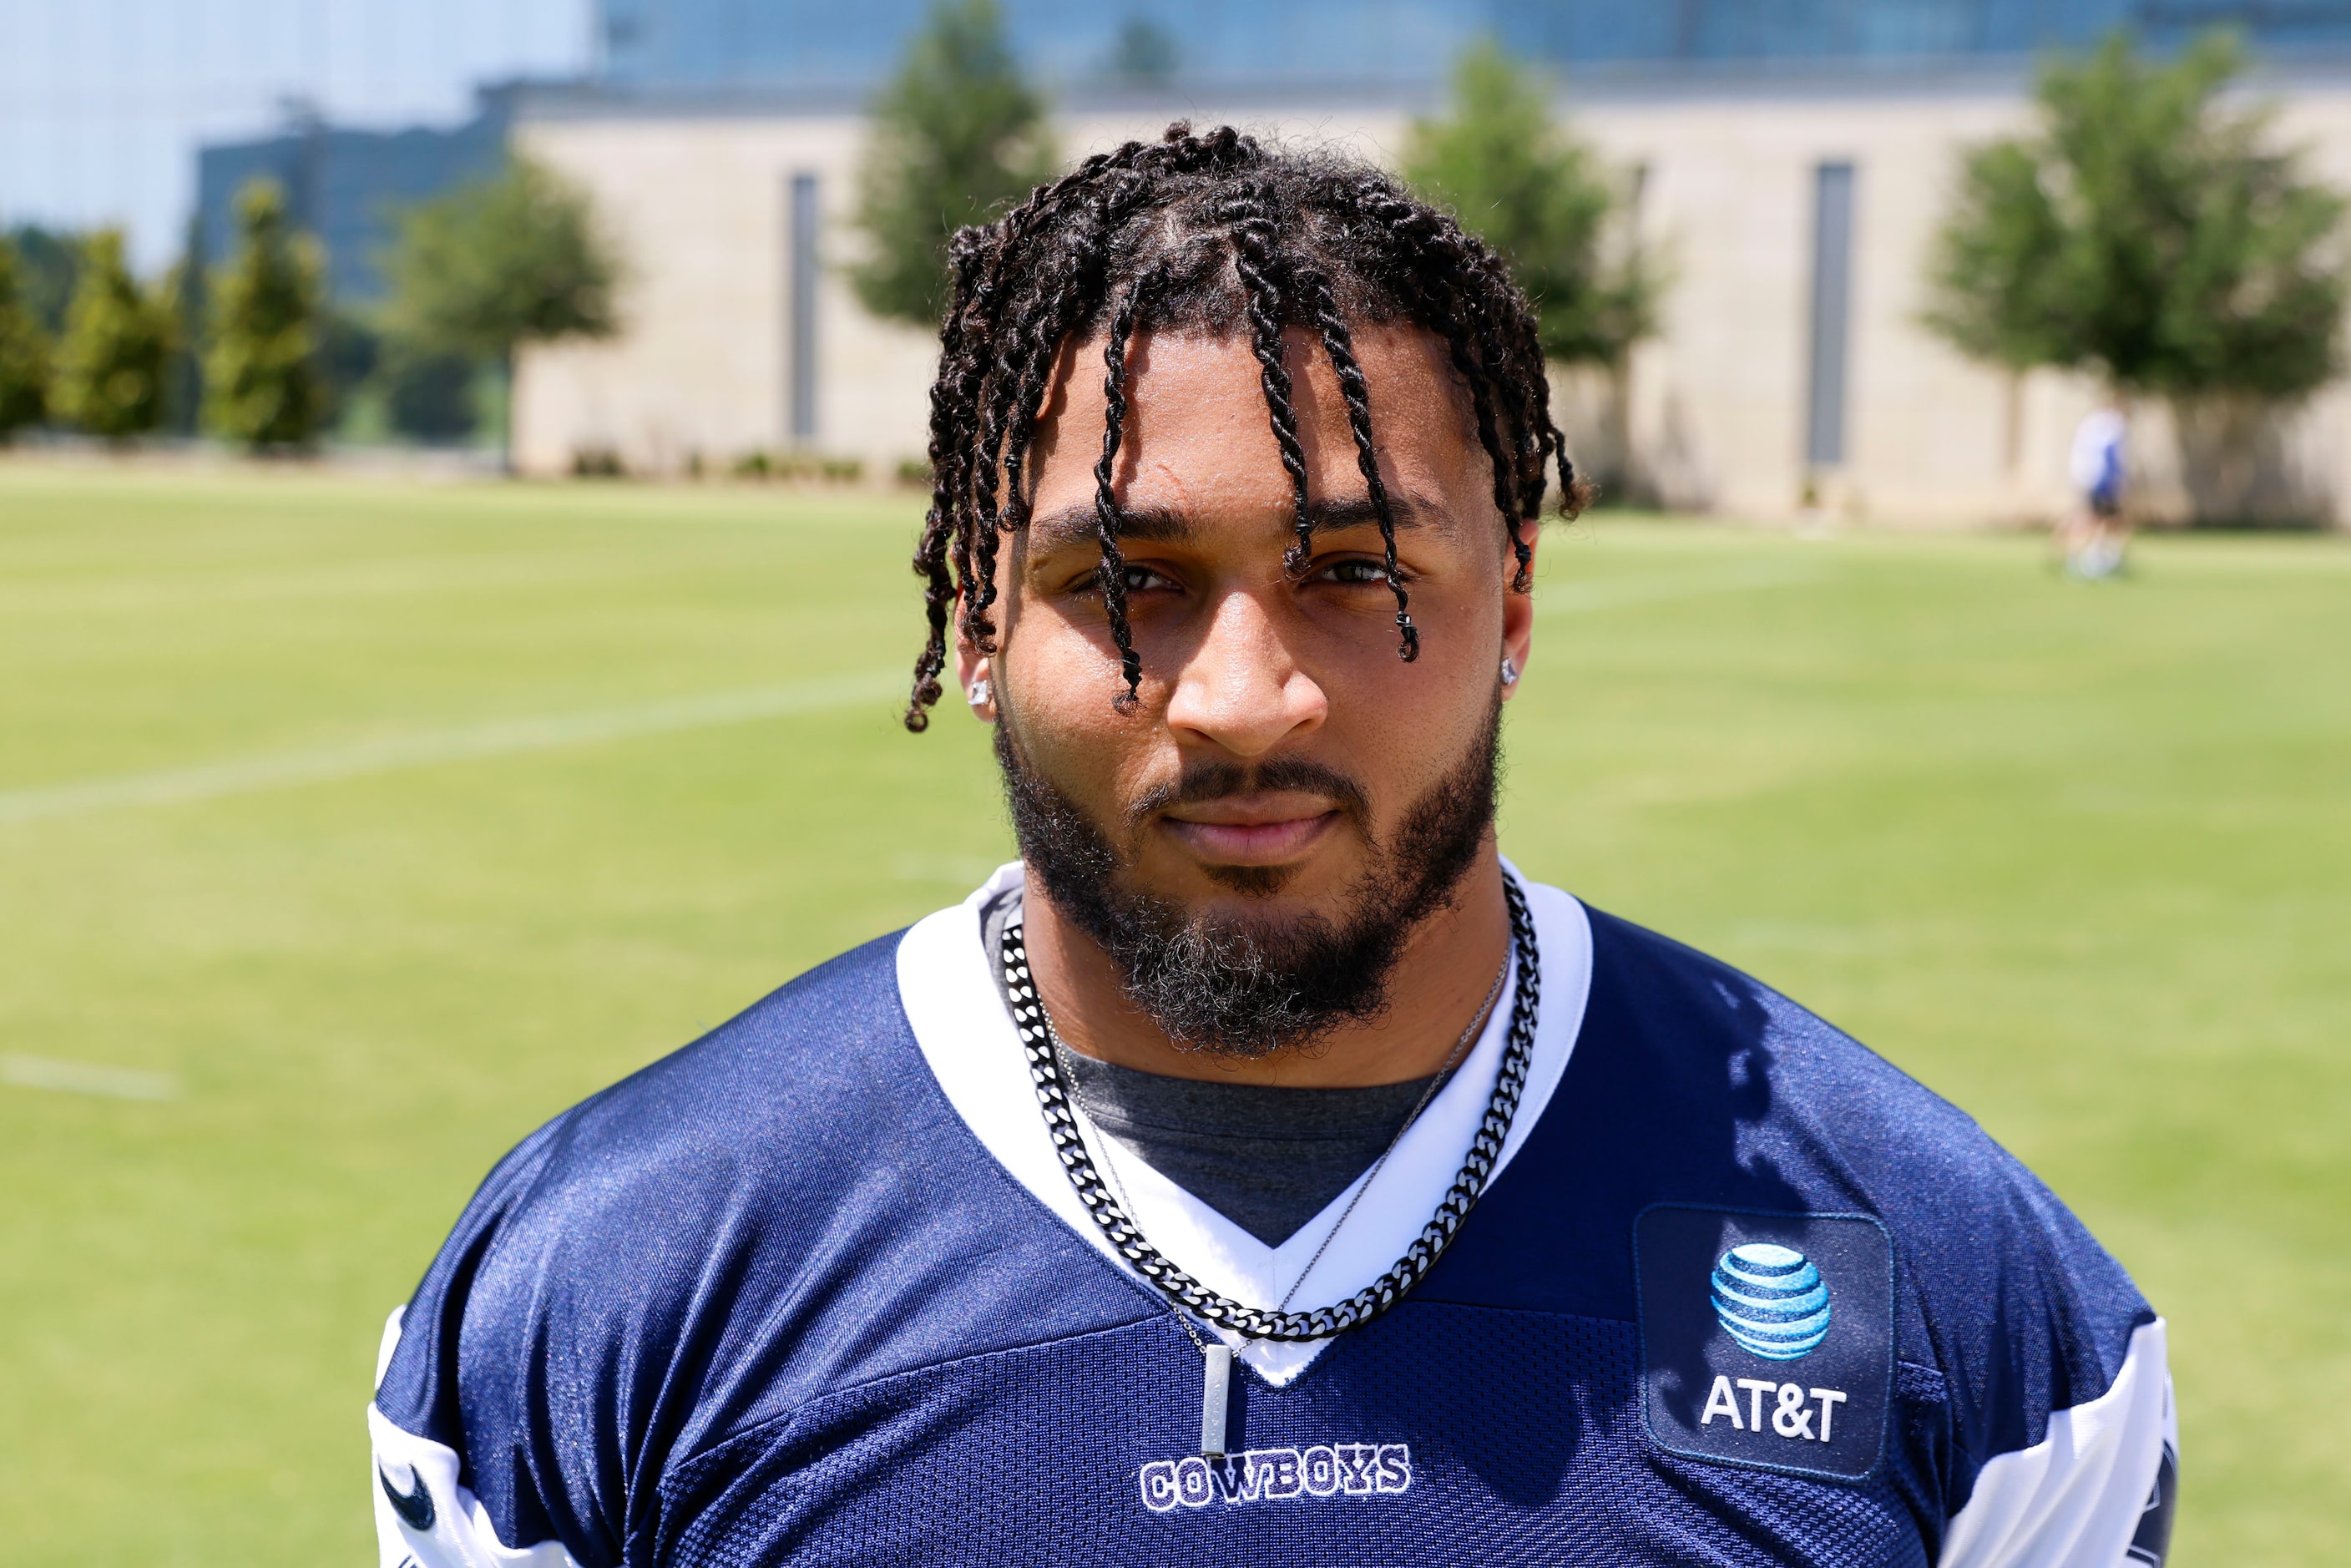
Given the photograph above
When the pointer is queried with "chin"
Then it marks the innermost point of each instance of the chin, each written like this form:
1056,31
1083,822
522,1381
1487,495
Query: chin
1256,883
1297,889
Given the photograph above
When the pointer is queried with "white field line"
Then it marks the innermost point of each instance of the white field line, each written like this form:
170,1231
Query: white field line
202,586
500,737
242,775
1654,587
87,1078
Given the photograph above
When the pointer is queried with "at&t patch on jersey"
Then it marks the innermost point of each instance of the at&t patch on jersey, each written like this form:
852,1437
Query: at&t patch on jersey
1766,1339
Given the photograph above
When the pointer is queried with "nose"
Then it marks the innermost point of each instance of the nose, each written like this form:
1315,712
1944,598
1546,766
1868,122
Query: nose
1241,691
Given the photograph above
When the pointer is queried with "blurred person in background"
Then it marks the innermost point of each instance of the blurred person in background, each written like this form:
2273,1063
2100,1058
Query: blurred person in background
1262,1168
2095,533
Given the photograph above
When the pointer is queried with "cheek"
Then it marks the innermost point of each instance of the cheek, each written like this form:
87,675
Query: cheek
1410,737
1066,727
1436,704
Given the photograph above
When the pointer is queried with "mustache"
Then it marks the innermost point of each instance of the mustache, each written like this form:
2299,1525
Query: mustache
1213,780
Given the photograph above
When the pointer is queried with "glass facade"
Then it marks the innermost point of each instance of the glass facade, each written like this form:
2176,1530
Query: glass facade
689,44
346,186
811,43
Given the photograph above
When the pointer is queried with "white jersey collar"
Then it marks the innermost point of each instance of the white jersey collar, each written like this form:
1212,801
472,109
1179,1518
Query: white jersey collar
947,982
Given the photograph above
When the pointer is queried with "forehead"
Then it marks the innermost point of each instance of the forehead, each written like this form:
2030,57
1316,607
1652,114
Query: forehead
1198,436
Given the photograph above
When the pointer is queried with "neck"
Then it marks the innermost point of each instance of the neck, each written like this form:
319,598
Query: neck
1437,992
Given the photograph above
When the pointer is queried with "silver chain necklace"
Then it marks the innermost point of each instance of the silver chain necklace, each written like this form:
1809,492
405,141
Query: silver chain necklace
1189,1296
1217,1358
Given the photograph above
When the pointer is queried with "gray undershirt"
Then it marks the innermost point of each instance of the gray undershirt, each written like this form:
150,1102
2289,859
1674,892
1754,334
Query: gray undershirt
1269,1159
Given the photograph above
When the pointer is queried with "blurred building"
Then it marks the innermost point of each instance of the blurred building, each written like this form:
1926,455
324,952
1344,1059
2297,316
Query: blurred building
346,185
1793,157
704,46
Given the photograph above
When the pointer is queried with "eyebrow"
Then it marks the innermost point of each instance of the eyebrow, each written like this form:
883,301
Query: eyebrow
1073,526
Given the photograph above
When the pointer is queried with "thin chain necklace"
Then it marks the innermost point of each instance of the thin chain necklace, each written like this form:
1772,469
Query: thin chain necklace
1362,1186
1188,1295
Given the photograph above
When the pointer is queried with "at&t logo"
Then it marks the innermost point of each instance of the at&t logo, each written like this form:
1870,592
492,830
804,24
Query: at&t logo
1774,1305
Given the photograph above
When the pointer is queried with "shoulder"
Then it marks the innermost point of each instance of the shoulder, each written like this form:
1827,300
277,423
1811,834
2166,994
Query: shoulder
2000,1288
763,1196
1781,1089
625,1221
794,1083
790,1095
788,1205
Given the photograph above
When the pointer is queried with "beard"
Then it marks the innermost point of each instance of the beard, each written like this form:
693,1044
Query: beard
1228,985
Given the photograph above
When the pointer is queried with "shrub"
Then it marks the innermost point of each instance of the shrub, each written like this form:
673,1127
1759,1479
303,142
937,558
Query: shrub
109,371
598,463
263,385
23,351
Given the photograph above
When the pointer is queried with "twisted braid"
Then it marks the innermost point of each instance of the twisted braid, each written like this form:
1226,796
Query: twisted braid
1456,265
1214,234
1510,500
1253,263
1111,572
942,541
1009,428
1339,345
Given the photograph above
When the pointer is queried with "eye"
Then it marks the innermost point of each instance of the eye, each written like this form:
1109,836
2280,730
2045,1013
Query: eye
1355,572
1134,579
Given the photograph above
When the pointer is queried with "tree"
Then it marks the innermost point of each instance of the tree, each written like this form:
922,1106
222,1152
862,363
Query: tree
109,375
185,299
1541,199
262,380
427,396
957,134
1998,292
351,351
23,351
512,259
1144,53
2146,233
49,268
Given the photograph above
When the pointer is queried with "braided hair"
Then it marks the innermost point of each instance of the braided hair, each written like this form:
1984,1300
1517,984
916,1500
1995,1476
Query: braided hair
1215,234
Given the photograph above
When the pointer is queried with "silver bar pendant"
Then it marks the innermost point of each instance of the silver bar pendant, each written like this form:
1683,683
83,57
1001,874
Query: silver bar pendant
1216,1387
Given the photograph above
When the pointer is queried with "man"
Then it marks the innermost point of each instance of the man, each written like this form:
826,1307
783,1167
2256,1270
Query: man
2096,532
1262,1170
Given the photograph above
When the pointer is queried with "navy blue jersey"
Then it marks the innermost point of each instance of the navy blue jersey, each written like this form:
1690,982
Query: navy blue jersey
807,1290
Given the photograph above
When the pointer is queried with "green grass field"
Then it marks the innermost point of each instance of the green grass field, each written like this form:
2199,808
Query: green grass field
347,831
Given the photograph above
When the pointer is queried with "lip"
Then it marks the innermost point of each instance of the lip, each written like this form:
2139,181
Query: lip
1241,829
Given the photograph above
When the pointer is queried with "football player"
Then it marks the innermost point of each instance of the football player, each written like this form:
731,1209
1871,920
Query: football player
1262,1169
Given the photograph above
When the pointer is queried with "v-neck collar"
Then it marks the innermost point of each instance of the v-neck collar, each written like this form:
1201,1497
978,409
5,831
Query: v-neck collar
947,985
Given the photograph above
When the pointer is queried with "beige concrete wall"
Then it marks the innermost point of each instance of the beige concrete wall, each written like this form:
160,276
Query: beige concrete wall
699,209
1716,404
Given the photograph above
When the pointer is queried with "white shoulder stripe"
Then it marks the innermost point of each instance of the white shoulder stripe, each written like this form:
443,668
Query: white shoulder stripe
390,1342
2074,1498
446,1526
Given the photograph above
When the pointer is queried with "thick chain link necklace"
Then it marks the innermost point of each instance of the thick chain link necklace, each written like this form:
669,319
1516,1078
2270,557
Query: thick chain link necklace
1188,1294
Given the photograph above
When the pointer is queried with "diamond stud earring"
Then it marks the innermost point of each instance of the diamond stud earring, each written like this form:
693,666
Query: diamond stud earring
1509,672
978,697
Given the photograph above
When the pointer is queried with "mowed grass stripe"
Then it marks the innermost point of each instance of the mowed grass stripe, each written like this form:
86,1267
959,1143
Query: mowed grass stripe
546,732
1624,590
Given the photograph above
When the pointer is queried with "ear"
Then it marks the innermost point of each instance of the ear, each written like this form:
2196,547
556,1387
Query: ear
1519,609
975,673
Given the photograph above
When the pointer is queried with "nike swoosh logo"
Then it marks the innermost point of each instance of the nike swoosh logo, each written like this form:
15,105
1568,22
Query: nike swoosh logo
414,1508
